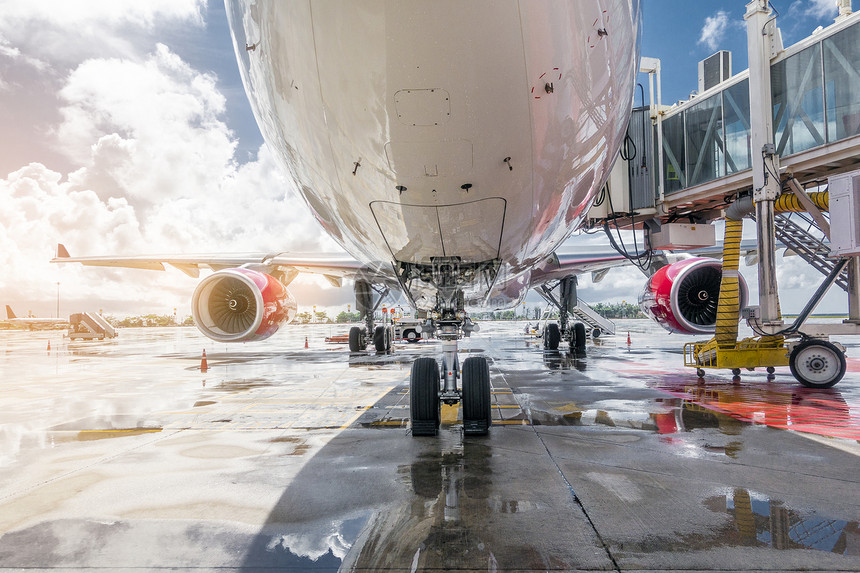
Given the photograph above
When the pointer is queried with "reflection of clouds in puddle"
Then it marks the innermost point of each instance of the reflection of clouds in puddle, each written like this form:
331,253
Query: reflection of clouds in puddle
335,538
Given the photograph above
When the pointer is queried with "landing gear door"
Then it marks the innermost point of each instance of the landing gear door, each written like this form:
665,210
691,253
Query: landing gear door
471,230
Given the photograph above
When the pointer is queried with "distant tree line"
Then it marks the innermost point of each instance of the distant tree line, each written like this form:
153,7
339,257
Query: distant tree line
148,320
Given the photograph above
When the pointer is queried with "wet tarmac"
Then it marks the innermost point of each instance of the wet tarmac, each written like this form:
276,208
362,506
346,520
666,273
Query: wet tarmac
123,455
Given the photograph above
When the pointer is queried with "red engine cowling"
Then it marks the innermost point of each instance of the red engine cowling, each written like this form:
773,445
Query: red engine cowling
241,305
682,297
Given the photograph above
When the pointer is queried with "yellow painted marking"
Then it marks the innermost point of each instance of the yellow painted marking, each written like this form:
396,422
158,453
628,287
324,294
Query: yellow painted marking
361,411
449,413
502,392
511,422
389,423
507,406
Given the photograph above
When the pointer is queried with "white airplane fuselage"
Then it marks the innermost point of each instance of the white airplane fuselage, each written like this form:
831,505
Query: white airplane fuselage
478,129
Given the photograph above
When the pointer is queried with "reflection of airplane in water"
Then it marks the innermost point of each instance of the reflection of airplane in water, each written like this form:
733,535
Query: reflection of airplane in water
760,521
823,412
450,147
34,323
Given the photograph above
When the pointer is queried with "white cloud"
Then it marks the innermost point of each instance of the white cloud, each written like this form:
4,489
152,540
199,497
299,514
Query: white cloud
67,31
153,172
714,30
819,8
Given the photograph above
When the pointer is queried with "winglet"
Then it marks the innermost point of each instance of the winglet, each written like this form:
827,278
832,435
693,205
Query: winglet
9,314
62,253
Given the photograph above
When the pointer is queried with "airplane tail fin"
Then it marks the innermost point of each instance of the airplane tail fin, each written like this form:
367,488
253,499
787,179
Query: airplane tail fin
9,313
62,253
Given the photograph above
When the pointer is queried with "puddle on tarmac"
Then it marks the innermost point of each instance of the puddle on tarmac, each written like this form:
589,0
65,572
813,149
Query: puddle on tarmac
242,385
754,520
320,546
784,406
102,428
758,521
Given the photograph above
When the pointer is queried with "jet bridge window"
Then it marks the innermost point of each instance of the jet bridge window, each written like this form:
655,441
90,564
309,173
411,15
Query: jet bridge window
736,114
841,54
704,133
798,102
673,153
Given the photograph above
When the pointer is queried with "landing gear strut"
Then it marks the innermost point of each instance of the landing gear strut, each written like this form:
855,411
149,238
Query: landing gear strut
430,386
554,333
381,336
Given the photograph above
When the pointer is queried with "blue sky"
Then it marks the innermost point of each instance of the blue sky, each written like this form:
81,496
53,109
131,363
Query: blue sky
682,33
95,155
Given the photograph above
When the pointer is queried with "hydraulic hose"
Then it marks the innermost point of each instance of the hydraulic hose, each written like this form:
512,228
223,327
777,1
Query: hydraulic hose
789,203
726,329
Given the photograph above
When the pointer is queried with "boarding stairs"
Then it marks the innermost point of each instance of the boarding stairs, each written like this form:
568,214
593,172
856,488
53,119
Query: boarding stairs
808,243
587,315
90,325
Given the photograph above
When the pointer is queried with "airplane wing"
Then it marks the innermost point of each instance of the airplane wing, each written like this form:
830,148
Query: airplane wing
334,267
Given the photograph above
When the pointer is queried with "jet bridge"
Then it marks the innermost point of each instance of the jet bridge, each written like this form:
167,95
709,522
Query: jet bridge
766,136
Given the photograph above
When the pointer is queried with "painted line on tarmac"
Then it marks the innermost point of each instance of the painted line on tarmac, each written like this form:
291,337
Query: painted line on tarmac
364,409
849,447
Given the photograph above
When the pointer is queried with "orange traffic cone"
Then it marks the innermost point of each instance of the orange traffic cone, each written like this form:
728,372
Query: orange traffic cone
628,339
49,346
204,366
306,341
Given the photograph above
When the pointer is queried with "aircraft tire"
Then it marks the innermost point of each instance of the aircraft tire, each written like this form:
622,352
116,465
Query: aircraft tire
424,397
552,336
356,339
579,336
379,339
477,413
817,364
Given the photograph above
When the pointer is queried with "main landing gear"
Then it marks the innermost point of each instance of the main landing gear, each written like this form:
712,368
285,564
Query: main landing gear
380,336
555,334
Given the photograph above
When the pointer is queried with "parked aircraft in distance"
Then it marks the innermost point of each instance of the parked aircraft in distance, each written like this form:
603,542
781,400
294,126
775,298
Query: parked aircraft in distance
32,322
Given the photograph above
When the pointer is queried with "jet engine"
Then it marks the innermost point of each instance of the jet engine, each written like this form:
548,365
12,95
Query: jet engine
682,297
241,305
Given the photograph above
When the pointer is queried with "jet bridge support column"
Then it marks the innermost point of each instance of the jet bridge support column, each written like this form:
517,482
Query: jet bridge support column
762,45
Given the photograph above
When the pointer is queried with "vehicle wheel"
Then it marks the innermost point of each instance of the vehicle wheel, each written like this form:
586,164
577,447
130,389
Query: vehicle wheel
424,397
817,363
411,336
477,415
552,336
736,372
700,373
389,338
356,339
579,336
379,337
771,369
596,333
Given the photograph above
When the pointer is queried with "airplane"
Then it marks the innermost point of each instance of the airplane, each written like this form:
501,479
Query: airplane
32,322
449,147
